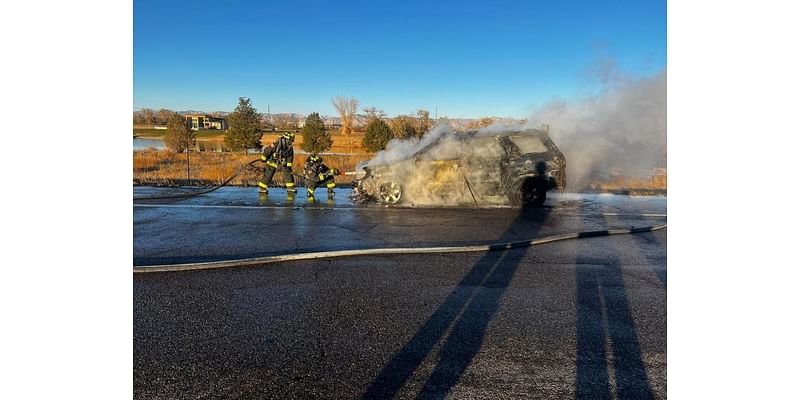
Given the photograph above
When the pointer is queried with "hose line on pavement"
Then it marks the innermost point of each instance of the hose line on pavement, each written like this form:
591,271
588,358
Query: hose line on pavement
387,251
198,193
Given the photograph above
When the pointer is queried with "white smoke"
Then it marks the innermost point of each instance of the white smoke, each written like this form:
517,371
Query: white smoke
436,169
398,149
621,130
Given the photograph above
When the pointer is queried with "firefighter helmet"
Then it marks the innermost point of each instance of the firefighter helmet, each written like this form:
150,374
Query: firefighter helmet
288,135
315,158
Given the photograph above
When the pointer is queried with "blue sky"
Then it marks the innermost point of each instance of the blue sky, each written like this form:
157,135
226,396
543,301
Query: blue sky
466,58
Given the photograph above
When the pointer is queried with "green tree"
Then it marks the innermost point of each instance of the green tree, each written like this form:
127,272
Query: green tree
245,127
378,134
178,137
315,138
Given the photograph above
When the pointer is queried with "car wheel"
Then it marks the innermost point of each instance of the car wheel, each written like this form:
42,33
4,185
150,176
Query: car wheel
390,193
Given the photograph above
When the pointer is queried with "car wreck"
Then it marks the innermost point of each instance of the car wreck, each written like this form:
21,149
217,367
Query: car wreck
515,167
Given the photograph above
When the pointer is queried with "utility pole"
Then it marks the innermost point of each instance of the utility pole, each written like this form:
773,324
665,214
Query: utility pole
187,160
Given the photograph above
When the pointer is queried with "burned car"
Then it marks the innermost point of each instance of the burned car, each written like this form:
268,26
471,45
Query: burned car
514,167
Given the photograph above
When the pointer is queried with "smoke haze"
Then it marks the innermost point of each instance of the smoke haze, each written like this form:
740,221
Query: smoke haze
439,175
622,130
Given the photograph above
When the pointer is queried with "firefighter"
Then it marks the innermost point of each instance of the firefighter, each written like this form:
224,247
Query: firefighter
317,174
279,155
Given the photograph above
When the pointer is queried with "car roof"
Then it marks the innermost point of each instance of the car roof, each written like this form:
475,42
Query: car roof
462,136
506,133
472,134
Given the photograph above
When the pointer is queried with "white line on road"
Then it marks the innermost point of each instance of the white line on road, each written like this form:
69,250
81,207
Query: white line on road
633,215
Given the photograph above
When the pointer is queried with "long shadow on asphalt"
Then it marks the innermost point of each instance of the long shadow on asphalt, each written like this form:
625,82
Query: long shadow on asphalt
469,308
645,240
603,311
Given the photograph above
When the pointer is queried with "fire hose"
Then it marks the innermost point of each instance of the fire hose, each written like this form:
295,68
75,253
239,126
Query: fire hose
388,251
200,192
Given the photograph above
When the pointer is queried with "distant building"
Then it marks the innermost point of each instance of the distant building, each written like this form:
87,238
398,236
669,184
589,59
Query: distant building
332,122
205,121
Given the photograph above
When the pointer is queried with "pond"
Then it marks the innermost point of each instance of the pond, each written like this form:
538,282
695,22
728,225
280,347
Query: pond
142,144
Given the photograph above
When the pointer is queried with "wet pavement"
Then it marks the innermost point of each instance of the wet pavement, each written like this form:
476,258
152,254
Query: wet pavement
582,318
236,223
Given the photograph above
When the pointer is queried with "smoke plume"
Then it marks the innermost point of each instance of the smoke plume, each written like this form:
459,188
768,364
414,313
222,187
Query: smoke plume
446,172
622,130
619,131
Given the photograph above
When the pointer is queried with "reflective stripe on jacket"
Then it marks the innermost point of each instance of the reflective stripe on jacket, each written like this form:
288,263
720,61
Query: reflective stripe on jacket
282,152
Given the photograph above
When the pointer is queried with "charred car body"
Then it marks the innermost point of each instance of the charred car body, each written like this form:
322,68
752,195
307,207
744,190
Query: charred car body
514,167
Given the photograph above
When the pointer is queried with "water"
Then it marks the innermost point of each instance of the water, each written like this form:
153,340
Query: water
142,144
214,146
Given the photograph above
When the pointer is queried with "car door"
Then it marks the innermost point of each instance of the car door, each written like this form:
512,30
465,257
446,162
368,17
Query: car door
482,162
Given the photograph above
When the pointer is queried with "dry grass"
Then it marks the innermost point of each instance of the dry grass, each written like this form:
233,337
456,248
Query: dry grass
341,144
653,183
163,167
166,168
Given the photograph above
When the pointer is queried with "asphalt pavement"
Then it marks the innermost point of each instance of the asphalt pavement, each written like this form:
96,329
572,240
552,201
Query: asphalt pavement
574,319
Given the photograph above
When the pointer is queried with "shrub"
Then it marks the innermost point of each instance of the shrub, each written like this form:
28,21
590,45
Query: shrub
245,127
377,136
315,138
178,137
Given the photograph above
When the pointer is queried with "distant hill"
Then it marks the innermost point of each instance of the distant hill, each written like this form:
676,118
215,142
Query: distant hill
223,113
361,119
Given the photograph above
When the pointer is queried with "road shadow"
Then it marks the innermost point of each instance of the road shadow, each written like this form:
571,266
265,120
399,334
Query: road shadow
646,240
604,314
468,309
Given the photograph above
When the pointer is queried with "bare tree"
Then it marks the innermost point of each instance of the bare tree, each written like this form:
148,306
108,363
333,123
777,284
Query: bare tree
138,118
162,116
148,116
373,112
347,108
424,122
283,121
403,126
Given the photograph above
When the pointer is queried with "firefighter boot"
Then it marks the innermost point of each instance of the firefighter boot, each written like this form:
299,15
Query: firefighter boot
290,189
330,187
